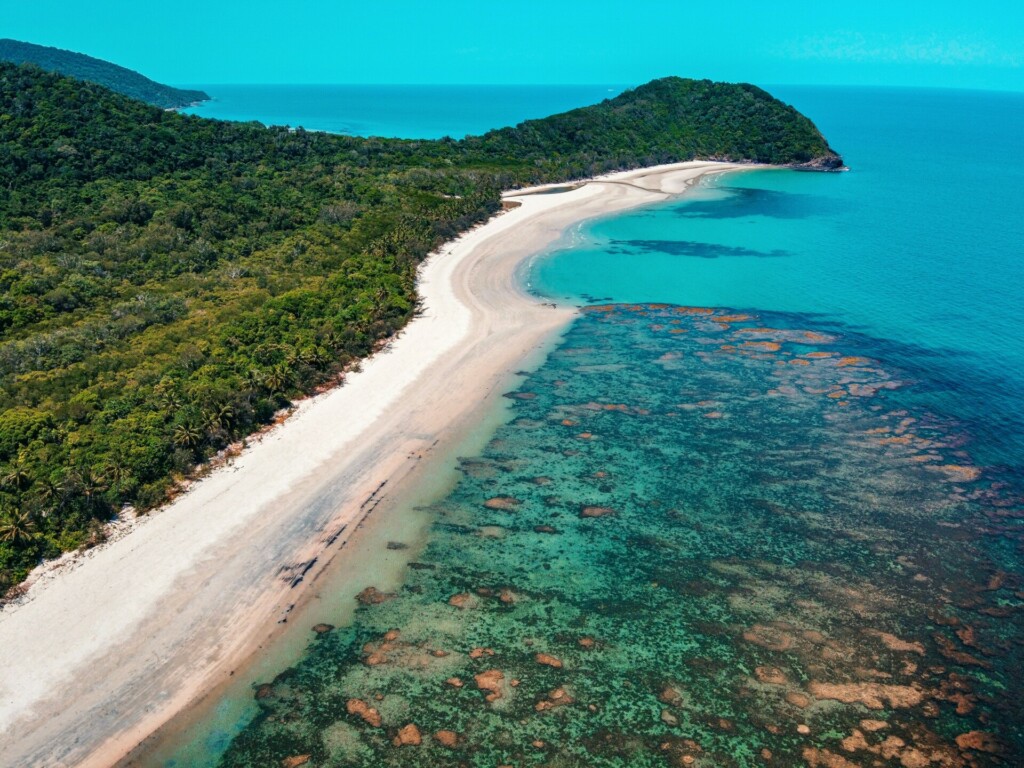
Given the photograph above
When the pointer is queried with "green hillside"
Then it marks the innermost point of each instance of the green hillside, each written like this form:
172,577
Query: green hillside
168,282
665,121
103,73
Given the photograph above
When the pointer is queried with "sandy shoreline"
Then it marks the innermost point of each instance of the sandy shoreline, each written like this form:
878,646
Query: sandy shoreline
101,654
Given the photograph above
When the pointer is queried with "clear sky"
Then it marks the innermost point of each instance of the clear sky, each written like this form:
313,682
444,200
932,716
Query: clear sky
961,44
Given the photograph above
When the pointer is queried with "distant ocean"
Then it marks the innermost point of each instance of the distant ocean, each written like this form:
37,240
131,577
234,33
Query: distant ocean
763,504
406,111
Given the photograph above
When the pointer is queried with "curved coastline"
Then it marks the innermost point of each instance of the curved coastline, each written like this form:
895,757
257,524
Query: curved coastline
112,646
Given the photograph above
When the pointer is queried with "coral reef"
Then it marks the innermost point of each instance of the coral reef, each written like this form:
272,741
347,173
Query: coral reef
683,550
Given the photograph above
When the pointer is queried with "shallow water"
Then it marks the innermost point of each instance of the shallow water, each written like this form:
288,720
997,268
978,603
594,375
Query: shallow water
721,530
787,533
921,243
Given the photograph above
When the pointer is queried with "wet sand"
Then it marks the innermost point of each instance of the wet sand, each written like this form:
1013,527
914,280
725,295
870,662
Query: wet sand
103,651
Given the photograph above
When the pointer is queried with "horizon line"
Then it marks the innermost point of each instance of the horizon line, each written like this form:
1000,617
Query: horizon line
589,85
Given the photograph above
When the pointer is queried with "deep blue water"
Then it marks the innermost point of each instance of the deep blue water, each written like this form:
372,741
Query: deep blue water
774,518
405,111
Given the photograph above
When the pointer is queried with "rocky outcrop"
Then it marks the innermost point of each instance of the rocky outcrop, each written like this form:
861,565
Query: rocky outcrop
548,660
408,736
361,709
830,163
871,695
447,738
490,682
373,596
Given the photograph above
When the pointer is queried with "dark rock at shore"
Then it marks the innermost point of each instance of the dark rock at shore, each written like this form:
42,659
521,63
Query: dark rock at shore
829,163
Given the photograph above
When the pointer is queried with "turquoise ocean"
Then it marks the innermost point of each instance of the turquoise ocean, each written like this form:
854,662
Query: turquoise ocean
405,111
761,505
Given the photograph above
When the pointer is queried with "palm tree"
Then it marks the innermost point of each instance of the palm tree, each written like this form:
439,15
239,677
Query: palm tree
50,494
221,417
187,435
91,484
168,396
18,477
16,526
293,357
254,379
315,356
117,470
278,378
331,339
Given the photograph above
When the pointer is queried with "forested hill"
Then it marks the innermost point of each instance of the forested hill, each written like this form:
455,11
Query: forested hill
104,73
168,282
669,119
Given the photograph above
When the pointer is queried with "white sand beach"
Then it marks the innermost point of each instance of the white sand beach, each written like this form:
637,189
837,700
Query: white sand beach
104,650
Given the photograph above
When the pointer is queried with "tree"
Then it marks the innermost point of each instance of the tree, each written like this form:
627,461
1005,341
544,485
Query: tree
16,526
90,485
278,378
221,417
18,476
188,435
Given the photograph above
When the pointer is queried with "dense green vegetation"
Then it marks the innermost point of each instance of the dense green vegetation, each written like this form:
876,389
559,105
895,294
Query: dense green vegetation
112,76
661,122
167,282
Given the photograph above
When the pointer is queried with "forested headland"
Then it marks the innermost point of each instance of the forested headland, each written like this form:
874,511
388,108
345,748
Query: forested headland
168,283
112,76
